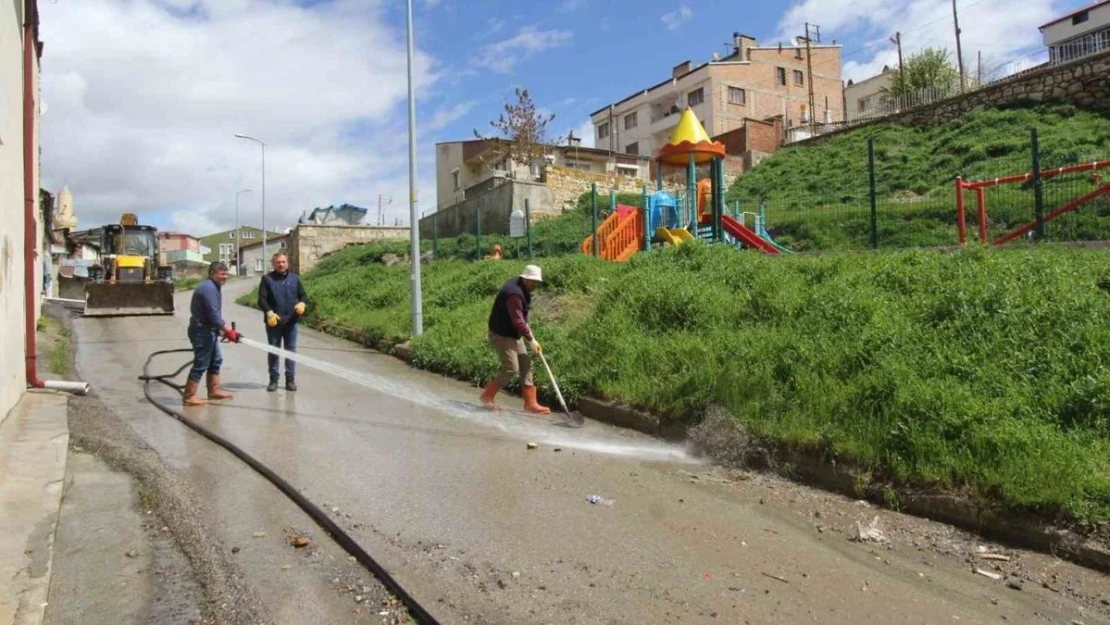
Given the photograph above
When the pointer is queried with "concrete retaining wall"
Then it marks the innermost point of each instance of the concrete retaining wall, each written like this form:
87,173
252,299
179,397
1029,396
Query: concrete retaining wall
310,243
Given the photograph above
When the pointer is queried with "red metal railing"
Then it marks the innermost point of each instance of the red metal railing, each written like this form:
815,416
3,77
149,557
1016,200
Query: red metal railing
980,197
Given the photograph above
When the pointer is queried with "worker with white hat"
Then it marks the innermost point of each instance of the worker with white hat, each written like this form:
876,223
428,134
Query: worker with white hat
508,330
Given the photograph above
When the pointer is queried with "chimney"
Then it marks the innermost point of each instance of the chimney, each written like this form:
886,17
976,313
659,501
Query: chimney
682,68
742,44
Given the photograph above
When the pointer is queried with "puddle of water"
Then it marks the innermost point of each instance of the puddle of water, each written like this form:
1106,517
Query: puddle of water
532,429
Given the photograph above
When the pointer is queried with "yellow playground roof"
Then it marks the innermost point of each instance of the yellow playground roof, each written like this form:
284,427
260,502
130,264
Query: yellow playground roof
689,137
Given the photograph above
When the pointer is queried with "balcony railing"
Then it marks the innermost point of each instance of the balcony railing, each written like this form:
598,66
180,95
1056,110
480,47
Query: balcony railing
1091,43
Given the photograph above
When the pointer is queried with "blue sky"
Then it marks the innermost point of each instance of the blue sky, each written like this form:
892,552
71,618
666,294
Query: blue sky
144,96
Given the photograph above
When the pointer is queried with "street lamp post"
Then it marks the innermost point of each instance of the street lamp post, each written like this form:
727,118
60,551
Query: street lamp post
264,231
239,234
414,220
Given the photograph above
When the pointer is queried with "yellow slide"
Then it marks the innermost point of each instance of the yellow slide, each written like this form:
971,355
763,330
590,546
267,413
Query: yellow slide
674,236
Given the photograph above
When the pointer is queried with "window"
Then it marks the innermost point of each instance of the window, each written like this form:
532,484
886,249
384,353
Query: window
799,78
281,245
456,181
603,131
632,148
628,170
1079,18
258,265
630,121
231,235
780,76
248,235
865,104
695,97
737,95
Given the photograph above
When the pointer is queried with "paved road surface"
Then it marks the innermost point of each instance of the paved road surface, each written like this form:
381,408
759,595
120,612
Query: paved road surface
483,530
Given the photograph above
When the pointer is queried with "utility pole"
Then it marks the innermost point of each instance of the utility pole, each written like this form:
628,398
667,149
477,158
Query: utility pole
387,199
959,48
979,72
901,64
809,71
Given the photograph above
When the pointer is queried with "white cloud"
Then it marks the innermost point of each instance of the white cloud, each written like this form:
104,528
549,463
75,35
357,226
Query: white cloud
675,19
144,101
1012,30
585,132
444,117
502,56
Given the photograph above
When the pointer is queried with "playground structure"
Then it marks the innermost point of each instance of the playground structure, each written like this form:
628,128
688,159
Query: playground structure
667,219
1037,178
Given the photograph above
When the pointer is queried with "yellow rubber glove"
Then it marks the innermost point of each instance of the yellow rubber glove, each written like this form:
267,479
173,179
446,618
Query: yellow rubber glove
272,319
299,308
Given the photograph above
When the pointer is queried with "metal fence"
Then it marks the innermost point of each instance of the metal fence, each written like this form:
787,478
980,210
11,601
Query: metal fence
877,197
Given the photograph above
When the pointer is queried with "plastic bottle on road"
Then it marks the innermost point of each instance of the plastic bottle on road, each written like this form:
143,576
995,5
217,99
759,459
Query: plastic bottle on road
599,500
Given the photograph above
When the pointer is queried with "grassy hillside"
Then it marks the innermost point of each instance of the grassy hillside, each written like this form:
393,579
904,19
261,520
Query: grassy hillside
984,372
818,197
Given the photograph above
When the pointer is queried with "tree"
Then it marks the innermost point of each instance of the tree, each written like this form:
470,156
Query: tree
522,129
930,68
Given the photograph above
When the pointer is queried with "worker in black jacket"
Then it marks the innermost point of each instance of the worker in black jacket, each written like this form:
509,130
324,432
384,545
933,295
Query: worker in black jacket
281,298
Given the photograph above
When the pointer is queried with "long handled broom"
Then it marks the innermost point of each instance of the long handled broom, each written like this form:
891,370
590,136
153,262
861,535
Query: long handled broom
572,420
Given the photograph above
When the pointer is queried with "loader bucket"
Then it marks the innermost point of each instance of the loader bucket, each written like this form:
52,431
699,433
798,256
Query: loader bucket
104,299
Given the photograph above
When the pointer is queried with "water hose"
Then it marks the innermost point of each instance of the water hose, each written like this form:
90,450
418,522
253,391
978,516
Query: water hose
314,512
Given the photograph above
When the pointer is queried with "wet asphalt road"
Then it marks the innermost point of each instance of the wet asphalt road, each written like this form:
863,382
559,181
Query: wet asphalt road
482,530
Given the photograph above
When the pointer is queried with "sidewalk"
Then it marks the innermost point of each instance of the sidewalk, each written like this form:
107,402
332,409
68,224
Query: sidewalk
34,438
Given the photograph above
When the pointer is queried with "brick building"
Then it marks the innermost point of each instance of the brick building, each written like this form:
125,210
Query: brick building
752,83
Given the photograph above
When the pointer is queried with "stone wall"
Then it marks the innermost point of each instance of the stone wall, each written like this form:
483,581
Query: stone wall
1084,83
567,185
310,243
495,205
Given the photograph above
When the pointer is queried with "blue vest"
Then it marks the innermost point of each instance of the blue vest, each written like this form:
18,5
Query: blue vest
499,321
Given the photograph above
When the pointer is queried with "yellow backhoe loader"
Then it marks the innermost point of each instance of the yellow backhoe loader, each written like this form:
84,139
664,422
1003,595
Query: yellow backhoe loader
126,279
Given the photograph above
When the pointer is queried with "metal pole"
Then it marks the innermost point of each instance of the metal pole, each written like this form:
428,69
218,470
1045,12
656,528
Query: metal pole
265,232
262,144
1038,186
414,225
478,229
961,213
647,220
528,226
238,234
809,77
874,202
435,236
959,47
692,194
593,204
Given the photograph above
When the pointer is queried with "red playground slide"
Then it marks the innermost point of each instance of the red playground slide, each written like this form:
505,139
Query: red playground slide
746,236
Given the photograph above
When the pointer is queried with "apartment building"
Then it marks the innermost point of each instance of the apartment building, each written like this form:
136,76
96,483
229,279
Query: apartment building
1079,33
754,82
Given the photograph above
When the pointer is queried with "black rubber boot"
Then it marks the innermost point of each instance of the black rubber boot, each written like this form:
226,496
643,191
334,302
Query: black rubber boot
273,384
290,385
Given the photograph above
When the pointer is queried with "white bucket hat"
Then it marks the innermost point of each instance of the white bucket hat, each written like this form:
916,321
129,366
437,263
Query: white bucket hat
532,272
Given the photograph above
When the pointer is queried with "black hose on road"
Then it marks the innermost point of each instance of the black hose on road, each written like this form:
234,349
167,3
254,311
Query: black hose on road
323,520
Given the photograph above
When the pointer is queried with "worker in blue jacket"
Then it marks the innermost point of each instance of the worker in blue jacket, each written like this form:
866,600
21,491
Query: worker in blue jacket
281,298
206,324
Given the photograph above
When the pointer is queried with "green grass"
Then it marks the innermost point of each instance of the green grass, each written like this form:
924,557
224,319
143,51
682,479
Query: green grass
184,284
817,197
59,356
985,372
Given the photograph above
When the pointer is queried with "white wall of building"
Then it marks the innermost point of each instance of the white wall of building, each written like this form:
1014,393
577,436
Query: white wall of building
1075,26
12,382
